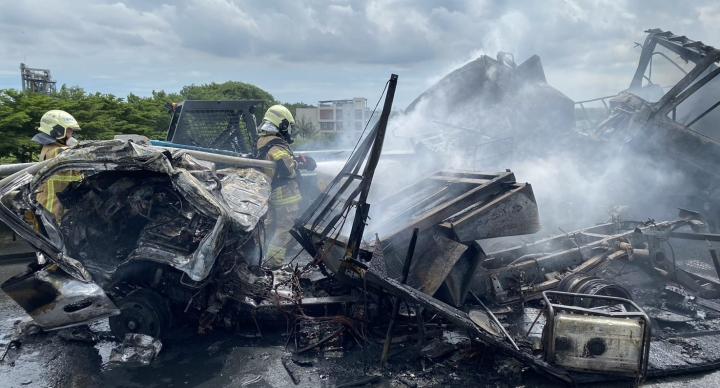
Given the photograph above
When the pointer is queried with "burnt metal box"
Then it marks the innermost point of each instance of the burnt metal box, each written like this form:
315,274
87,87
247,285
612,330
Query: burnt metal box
597,334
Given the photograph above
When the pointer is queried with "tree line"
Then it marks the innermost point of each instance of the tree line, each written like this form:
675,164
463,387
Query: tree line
103,115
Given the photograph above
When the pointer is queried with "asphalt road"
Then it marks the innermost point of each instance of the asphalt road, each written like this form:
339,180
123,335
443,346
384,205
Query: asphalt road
226,360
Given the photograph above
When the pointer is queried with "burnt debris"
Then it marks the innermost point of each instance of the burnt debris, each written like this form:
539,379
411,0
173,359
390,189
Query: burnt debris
160,236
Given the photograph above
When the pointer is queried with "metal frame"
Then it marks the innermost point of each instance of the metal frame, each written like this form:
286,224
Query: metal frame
363,208
652,127
574,250
36,80
586,116
703,56
551,310
244,109
312,228
687,49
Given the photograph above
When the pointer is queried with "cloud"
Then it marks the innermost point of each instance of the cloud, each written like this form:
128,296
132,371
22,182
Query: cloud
327,49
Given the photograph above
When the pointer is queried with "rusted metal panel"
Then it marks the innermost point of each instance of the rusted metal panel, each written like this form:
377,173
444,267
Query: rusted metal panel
457,283
431,267
433,200
513,212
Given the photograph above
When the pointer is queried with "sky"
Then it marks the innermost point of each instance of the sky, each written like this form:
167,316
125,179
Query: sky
305,51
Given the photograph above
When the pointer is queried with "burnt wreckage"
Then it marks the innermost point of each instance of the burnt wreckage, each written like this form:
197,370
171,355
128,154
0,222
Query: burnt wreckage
152,236
669,109
607,302
145,230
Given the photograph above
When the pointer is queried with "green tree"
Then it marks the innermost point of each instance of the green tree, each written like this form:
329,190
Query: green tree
103,115
19,116
230,90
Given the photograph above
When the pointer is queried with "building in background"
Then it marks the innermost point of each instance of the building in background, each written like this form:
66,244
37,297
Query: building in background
36,80
347,117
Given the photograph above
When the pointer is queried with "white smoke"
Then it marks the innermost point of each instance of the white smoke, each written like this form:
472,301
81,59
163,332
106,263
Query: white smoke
577,181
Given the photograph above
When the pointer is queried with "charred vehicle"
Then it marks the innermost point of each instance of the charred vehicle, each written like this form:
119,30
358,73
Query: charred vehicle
492,113
671,101
145,232
154,230
156,233
145,228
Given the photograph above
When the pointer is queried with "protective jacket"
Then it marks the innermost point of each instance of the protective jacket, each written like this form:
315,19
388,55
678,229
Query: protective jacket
285,196
47,193
285,188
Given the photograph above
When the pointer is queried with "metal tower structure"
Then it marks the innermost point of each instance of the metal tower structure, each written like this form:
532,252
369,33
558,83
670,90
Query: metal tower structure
36,80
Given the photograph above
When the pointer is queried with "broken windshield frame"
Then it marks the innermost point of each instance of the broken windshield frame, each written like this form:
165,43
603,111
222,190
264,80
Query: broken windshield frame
693,99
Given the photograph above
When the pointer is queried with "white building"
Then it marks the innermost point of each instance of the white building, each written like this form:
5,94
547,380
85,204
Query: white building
337,116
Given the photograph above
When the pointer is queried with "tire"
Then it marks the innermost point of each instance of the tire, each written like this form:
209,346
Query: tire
142,311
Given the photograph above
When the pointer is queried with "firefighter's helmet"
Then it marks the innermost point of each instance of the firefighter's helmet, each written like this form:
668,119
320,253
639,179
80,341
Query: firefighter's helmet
276,114
282,119
55,123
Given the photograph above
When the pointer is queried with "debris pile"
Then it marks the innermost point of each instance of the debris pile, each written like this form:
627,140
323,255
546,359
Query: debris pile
136,348
156,238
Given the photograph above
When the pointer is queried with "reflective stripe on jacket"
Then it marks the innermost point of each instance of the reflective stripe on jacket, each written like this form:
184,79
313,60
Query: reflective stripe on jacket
285,188
47,193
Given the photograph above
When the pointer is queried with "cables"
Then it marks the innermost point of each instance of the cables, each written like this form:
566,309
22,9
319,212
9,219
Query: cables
371,116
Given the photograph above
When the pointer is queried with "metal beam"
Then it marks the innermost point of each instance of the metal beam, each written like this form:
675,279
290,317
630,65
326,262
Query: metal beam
9,169
695,236
363,208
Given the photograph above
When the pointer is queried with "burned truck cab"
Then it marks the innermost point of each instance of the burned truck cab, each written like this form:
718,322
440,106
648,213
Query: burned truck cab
151,229
146,232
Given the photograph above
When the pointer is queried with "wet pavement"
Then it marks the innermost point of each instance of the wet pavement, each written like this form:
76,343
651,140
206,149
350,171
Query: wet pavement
225,359
12,246
221,359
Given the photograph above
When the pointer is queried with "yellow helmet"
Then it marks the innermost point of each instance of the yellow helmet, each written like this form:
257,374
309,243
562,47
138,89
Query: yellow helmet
277,113
55,123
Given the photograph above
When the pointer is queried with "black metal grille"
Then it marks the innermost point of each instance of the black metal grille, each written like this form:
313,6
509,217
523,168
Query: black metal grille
221,125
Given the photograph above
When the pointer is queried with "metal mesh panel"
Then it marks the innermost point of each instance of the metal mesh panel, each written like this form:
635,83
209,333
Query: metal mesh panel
220,125
218,129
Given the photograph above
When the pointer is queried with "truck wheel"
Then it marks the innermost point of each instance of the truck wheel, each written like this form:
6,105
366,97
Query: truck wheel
142,311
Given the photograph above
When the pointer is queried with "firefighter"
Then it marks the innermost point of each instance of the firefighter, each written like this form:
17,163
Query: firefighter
55,134
275,137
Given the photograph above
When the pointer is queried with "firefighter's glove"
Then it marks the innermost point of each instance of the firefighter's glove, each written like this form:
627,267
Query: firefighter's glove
305,163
